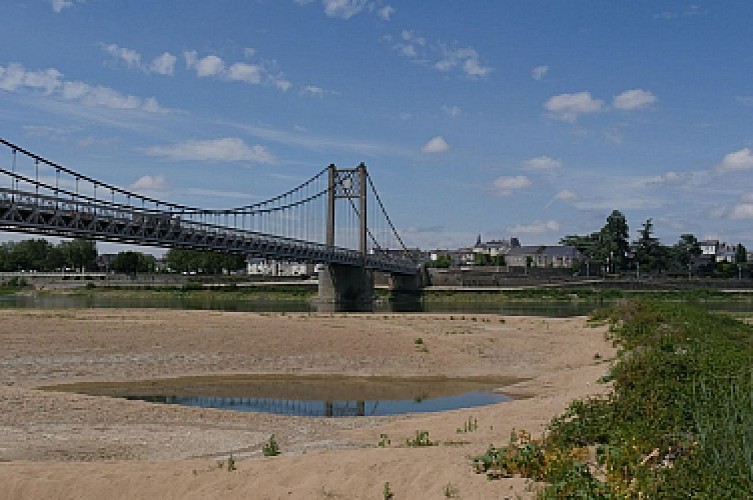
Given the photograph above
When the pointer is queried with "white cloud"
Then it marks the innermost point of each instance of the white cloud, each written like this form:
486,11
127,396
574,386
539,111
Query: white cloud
435,145
163,64
539,72
210,65
624,203
128,56
313,90
228,149
281,84
386,12
665,178
467,59
566,195
253,74
537,227
504,186
439,56
218,194
249,52
742,211
243,72
59,5
410,45
15,77
568,107
344,9
542,163
150,183
452,111
634,99
322,143
739,160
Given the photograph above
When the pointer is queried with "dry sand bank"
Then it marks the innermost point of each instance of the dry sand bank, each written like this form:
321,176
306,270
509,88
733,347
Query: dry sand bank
61,445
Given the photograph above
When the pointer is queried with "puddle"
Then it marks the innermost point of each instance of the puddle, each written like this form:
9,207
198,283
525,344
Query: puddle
311,396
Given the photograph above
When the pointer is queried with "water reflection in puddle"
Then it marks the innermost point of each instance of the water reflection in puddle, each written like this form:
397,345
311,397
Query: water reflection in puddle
310,396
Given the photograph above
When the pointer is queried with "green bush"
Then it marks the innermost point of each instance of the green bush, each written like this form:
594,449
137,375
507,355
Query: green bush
271,448
678,423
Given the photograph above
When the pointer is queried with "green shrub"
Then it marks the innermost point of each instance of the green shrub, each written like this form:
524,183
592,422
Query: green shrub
421,439
678,423
271,448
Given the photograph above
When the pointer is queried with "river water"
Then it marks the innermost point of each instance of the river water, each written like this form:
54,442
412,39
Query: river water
550,308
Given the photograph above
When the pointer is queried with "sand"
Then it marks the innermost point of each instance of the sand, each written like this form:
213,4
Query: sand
64,445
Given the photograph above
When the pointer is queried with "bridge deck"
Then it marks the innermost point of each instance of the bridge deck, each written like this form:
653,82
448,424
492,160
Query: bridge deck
55,216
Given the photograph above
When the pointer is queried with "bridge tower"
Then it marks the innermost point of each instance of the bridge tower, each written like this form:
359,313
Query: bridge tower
352,286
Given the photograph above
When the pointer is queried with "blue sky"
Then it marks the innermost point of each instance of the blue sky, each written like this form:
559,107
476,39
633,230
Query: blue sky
524,119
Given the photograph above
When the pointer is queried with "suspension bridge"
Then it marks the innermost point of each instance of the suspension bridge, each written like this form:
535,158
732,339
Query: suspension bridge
335,218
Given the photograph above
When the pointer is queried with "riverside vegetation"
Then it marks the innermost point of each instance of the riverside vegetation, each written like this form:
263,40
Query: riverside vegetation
678,423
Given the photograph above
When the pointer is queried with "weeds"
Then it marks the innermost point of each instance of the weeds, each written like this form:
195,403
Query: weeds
451,491
271,448
678,423
420,345
469,426
387,493
421,439
384,441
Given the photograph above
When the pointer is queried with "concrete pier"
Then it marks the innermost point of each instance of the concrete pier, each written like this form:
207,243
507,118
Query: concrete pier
346,285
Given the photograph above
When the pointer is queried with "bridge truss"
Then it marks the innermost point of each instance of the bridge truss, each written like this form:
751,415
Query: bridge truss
41,197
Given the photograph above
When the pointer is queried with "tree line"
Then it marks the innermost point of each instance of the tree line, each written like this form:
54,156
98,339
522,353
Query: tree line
41,255
611,248
81,255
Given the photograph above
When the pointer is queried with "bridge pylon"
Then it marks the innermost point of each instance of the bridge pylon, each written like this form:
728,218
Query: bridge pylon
352,286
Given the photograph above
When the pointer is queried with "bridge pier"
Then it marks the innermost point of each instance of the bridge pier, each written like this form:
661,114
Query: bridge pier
401,284
346,286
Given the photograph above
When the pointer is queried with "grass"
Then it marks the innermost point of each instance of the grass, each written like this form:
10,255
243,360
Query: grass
678,423
420,439
271,448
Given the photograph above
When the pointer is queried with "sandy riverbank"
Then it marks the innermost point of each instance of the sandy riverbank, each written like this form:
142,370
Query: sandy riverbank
60,445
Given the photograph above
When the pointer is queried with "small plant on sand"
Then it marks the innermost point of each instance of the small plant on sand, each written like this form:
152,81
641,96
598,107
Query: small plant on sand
231,464
384,441
451,491
271,448
421,439
420,345
469,426
387,493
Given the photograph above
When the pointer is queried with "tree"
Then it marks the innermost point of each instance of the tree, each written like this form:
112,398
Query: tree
80,254
741,254
614,241
30,255
202,261
133,262
608,245
685,251
586,245
498,260
480,259
444,260
649,252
